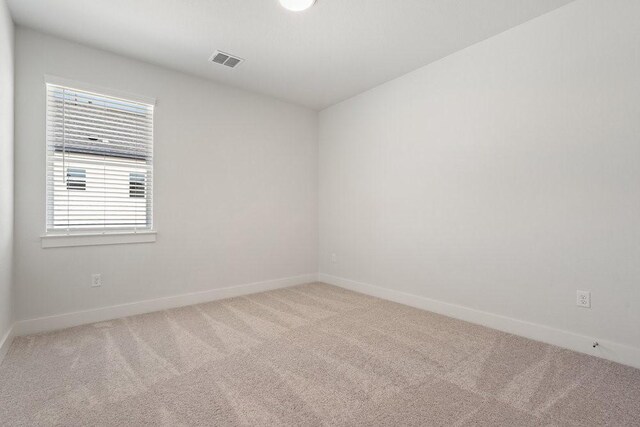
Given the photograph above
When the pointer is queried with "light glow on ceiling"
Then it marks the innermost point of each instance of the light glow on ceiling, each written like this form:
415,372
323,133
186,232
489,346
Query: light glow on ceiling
297,5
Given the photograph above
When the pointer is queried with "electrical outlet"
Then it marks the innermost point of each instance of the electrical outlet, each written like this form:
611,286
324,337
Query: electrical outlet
96,280
334,258
583,299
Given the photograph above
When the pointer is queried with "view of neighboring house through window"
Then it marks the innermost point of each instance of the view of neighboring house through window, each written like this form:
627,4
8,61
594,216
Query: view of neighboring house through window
76,179
99,162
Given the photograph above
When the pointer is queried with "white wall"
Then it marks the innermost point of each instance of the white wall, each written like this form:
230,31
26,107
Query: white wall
502,178
6,169
235,196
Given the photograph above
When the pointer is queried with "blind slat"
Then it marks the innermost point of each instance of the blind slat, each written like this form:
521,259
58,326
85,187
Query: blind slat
58,110
71,96
76,112
90,127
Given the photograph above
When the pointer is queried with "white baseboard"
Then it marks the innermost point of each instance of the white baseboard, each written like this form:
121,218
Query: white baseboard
613,351
67,320
5,342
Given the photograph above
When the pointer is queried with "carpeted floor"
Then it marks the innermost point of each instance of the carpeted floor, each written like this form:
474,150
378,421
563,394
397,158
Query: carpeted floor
309,355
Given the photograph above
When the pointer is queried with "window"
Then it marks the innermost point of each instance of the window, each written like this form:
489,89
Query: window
99,162
76,179
136,185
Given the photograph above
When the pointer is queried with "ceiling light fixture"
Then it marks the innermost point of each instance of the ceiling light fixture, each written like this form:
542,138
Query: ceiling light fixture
297,5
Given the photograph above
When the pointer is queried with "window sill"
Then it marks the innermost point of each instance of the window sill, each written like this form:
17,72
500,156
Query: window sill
97,239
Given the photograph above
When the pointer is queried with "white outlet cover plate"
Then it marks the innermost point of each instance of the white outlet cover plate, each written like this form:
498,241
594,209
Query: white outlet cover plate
583,299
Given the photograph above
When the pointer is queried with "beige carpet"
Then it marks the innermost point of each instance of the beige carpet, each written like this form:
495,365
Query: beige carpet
308,355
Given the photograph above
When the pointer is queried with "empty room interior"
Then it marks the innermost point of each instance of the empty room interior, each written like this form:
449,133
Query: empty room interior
320,212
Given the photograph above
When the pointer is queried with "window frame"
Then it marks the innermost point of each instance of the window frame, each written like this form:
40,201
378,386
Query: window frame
79,237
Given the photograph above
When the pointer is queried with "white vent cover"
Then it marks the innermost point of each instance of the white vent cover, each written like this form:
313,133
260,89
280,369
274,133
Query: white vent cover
227,59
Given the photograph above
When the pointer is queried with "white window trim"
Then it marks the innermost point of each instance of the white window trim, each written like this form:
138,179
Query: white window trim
97,239
63,240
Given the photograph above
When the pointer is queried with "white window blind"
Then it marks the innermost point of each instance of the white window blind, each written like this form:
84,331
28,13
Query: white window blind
99,162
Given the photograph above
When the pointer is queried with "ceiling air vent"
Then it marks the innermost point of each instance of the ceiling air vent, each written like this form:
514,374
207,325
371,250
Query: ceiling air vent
227,59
